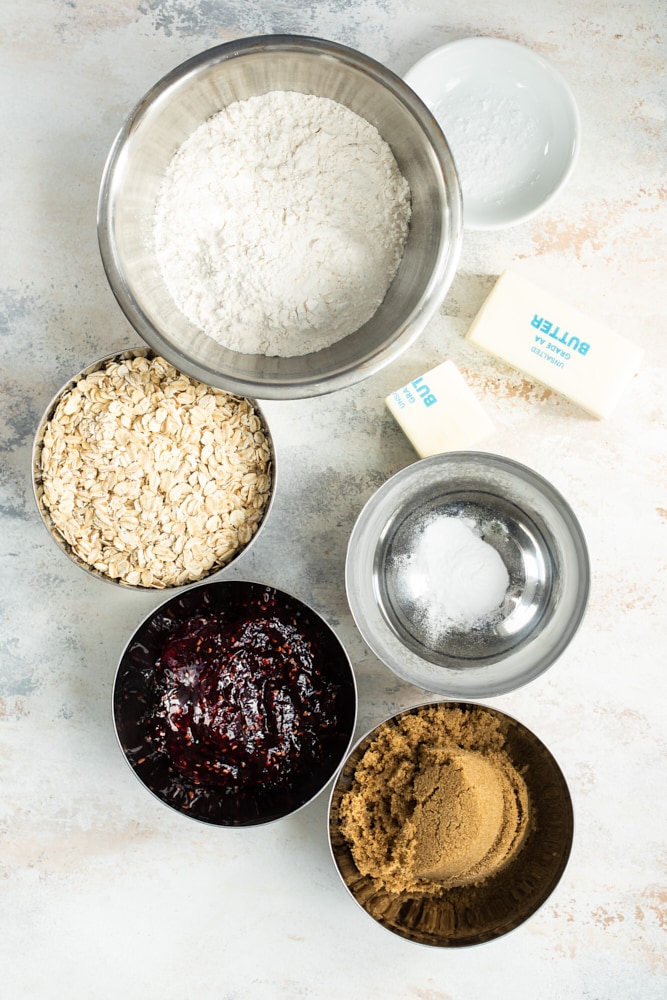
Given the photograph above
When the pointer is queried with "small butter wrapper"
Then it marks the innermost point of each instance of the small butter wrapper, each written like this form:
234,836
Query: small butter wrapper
438,412
555,344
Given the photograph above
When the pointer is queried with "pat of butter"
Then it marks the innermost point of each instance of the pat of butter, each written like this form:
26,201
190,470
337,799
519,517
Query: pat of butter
555,344
438,412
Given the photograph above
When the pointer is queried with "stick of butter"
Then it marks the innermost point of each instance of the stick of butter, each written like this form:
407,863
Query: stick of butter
438,412
555,344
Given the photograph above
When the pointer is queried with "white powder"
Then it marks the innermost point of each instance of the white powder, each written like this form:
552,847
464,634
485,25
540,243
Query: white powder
495,139
280,224
456,578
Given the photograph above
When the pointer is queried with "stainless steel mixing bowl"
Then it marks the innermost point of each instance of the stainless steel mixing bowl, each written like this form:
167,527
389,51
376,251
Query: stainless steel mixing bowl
468,915
535,532
38,479
250,679
189,95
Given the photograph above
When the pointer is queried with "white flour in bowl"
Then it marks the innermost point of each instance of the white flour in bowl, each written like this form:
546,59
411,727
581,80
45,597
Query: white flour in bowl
280,224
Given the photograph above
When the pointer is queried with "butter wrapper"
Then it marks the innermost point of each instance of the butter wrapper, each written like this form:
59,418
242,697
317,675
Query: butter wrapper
438,412
555,344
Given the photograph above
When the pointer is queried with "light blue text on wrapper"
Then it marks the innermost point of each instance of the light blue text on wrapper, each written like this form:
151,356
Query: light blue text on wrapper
542,346
406,397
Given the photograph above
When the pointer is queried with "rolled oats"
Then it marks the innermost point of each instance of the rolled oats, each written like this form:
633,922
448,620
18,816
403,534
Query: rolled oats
151,477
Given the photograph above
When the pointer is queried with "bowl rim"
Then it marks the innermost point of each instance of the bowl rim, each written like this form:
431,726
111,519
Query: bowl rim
124,354
342,375
381,639
319,618
547,754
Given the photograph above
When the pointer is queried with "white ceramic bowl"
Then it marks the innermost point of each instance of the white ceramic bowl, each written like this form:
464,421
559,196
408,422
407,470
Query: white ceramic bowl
510,120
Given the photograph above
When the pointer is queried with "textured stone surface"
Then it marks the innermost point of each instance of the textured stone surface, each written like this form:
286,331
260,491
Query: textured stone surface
105,893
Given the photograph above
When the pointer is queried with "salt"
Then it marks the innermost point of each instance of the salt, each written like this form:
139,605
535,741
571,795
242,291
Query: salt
495,138
456,578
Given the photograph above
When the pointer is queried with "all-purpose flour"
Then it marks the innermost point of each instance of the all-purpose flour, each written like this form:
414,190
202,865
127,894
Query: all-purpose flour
280,224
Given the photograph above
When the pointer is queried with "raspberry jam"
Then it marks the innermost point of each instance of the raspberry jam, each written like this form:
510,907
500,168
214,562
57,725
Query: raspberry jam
234,704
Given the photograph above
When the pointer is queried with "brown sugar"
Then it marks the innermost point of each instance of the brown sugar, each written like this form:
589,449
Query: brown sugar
435,803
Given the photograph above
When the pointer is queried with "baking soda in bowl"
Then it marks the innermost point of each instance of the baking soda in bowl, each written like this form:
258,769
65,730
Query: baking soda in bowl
453,578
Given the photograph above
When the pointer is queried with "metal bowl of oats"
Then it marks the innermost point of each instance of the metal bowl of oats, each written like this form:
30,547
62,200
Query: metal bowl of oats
280,216
149,479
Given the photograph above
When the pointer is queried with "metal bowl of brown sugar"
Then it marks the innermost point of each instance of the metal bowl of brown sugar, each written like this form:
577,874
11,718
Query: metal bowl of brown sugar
450,824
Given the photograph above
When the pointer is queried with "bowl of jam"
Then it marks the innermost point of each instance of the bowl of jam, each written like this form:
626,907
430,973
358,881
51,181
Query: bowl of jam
234,703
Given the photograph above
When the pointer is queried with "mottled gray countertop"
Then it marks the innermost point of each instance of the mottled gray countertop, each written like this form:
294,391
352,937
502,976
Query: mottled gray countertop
104,892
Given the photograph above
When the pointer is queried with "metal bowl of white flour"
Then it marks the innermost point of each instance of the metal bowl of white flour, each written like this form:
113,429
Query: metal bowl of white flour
280,217
467,574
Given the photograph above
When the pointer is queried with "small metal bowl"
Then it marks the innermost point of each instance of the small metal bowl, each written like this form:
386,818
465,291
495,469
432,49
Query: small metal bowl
189,95
38,482
484,911
529,524
137,692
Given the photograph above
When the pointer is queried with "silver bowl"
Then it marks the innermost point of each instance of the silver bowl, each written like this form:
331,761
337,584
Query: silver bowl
197,89
489,909
539,540
38,480
304,765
